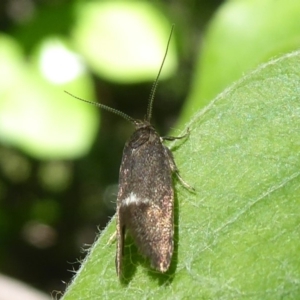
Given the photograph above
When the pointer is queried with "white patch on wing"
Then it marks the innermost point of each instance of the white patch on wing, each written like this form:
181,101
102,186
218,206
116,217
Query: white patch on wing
134,199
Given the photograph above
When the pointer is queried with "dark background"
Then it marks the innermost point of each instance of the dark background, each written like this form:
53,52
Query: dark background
83,200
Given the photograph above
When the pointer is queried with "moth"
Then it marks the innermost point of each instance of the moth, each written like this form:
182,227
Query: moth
145,202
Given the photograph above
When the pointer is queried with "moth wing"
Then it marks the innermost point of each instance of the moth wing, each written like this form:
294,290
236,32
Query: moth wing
146,203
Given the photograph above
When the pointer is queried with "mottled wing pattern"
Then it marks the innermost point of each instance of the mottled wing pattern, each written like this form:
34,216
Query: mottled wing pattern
146,198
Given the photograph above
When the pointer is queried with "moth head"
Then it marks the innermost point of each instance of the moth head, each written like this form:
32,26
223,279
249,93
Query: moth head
138,124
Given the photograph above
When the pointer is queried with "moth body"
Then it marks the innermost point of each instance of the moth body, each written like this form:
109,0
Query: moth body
145,200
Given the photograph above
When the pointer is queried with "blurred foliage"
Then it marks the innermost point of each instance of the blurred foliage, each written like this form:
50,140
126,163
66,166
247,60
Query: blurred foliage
241,35
58,166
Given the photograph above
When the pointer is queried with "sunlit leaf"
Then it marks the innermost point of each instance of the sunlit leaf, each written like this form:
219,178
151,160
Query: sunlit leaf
124,41
35,114
242,35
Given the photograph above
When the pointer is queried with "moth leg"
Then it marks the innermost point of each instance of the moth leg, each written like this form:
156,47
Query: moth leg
175,170
112,238
184,183
120,233
172,138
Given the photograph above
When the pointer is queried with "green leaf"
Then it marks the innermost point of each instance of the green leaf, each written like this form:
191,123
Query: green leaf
36,115
238,236
124,41
242,35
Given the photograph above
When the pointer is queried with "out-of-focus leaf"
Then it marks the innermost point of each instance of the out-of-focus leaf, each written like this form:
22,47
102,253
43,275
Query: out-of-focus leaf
35,114
242,35
124,41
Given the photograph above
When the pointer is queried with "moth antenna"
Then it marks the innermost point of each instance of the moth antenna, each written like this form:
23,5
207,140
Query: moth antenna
115,111
154,86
